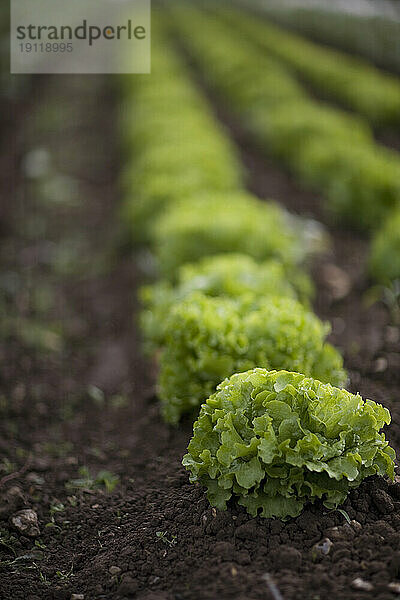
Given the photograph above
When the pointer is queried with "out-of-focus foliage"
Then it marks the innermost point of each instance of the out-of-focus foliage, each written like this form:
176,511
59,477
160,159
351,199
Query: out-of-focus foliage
362,182
208,339
346,79
328,148
175,146
229,275
215,223
385,252
371,33
277,440
289,126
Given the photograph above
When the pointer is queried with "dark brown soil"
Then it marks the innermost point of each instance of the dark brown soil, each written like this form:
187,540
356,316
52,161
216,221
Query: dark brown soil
85,398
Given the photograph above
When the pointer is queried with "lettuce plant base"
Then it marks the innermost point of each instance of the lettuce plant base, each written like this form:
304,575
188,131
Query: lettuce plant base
214,554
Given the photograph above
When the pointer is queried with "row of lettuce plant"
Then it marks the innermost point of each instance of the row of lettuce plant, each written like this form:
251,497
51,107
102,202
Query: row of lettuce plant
373,34
233,306
350,81
166,109
385,252
327,149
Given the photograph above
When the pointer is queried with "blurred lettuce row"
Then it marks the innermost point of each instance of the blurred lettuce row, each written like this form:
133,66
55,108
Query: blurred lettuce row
327,148
179,156
216,222
384,262
276,441
207,339
351,81
174,146
372,33
228,275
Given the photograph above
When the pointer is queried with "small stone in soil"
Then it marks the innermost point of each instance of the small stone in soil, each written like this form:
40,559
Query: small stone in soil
114,570
361,584
356,525
321,549
394,587
26,521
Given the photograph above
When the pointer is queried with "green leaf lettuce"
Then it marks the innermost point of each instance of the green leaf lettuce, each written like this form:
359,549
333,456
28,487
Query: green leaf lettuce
278,440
